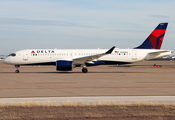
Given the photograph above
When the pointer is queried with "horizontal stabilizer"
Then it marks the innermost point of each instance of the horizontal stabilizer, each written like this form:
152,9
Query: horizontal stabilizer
158,52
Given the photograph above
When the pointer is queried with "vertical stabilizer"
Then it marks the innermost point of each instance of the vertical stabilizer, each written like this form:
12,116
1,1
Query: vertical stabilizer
155,39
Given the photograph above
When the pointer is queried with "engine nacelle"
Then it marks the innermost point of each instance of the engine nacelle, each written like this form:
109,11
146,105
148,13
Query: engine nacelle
64,65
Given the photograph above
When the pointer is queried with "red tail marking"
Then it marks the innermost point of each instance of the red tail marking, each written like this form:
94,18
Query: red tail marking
157,33
160,42
153,40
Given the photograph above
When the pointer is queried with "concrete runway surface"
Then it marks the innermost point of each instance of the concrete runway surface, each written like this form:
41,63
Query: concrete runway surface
89,100
140,79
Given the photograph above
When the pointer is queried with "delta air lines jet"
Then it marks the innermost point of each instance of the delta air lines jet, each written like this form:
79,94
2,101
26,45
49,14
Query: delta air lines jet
67,59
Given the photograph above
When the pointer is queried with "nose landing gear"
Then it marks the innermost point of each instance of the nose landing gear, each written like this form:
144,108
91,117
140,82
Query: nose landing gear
17,66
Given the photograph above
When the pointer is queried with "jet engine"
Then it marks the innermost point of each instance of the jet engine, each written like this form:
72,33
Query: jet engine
64,65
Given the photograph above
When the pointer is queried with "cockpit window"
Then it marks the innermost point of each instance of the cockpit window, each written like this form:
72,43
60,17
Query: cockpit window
12,54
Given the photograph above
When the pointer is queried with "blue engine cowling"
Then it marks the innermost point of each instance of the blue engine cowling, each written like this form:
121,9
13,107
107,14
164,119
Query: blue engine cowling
64,65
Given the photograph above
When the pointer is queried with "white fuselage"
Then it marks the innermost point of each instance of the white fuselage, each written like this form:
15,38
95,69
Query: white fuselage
118,56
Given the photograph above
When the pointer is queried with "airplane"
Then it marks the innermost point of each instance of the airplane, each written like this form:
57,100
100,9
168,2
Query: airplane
67,59
1,58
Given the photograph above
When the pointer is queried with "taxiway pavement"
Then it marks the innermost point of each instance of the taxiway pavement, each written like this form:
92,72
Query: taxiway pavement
45,81
89,100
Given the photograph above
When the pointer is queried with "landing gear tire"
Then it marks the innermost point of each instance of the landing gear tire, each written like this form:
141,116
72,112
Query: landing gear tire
84,70
17,66
17,71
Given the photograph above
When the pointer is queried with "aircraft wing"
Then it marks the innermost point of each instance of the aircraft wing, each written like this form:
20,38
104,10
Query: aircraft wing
82,60
158,52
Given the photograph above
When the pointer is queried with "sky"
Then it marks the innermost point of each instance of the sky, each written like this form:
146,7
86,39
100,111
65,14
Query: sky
82,24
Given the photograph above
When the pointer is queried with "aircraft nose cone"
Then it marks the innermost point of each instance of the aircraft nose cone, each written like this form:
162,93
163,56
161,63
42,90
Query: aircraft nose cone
5,60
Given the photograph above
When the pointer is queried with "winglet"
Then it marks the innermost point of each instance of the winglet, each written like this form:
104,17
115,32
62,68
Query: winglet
110,50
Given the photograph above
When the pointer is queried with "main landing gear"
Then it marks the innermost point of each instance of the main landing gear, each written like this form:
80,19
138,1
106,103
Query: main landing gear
84,69
17,66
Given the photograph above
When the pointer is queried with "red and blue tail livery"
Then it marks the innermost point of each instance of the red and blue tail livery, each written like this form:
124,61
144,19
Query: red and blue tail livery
155,39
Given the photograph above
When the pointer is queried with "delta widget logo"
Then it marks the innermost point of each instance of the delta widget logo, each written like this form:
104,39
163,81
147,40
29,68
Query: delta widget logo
42,51
32,52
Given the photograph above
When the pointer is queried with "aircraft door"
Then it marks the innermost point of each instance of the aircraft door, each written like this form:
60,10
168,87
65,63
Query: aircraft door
25,55
134,55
